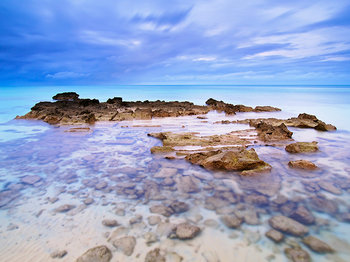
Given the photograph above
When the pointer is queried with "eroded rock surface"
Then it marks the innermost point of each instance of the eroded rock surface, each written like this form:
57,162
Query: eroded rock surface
302,147
302,164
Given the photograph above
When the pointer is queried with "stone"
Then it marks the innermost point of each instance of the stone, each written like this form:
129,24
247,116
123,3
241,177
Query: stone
88,201
274,235
302,147
125,244
135,220
150,238
101,185
58,253
186,184
288,225
165,228
330,187
30,179
231,221
155,255
302,164
179,207
268,132
162,210
154,220
297,254
110,222
161,149
186,231
303,215
64,208
96,254
66,96
322,204
317,245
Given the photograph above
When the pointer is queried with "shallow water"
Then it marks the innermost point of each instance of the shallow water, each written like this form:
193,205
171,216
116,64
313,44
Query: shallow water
113,166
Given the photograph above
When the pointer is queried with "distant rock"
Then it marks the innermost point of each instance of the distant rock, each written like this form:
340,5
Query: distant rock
302,164
302,147
96,254
266,109
67,96
317,245
288,225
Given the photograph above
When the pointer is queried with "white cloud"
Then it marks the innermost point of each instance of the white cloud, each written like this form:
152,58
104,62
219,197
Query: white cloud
66,75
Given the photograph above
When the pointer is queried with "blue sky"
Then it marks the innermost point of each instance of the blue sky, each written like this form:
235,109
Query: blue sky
174,42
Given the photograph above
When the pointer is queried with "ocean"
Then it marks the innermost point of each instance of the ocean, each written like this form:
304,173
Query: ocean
116,156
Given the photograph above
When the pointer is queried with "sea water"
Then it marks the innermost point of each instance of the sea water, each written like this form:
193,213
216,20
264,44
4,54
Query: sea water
117,157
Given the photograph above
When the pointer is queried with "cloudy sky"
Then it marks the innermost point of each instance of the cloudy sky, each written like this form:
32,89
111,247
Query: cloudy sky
174,42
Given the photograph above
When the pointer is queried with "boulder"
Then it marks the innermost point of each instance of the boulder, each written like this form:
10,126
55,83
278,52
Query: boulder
96,254
302,164
288,225
317,245
302,147
186,231
268,132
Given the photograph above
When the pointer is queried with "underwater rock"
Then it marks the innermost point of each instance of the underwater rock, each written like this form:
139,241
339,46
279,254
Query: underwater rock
64,208
186,184
88,201
330,187
288,225
125,244
297,254
274,235
96,254
58,253
154,220
30,179
186,231
302,164
101,185
303,215
155,255
231,221
302,147
317,245
136,219
179,207
150,238
322,204
110,222
162,210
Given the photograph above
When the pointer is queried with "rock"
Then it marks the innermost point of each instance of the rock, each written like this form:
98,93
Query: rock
179,207
101,185
96,254
150,237
321,126
64,208
231,221
78,130
58,254
162,149
166,172
135,220
155,255
186,184
268,132
186,231
302,147
110,222
153,220
256,199
30,179
125,244
302,164
322,204
162,210
88,201
330,187
66,96
274,235
317,245
303,215
288,225
214,203
266,109
296,254
165,228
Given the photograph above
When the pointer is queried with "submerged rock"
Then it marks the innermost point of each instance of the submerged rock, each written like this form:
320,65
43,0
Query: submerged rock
302,164
96,254
274,235
162,210
231,221
64,208
186,231
317,245
303,215
155,255
297,254
58,253
302,147
179,207
125,244
330,187
110,222
30,179
288,225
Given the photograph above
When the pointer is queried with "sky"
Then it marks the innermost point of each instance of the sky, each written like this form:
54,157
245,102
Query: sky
81,42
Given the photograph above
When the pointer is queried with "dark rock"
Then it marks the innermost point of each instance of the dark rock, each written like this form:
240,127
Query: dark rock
67,96
268,132
96,254
317,245
179,207
58,254
274,235
288,225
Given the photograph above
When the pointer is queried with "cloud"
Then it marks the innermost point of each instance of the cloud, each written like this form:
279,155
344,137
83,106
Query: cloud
66,75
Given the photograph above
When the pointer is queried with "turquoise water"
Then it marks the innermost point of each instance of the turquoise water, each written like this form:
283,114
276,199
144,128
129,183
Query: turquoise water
70,165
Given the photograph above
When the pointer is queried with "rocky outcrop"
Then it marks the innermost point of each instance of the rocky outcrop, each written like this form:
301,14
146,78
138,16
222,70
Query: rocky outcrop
302,164
96,254
268,132
317,245
302,147
288,225
67,96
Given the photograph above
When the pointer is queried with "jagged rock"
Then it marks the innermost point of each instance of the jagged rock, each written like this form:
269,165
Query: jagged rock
186,231
30,179
267,132
110,222
317,245
302,147
96,254
297,254
231,221
66,96
125,244
266,109
288,225
162,149
302,164
303,215
155,255
274,235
